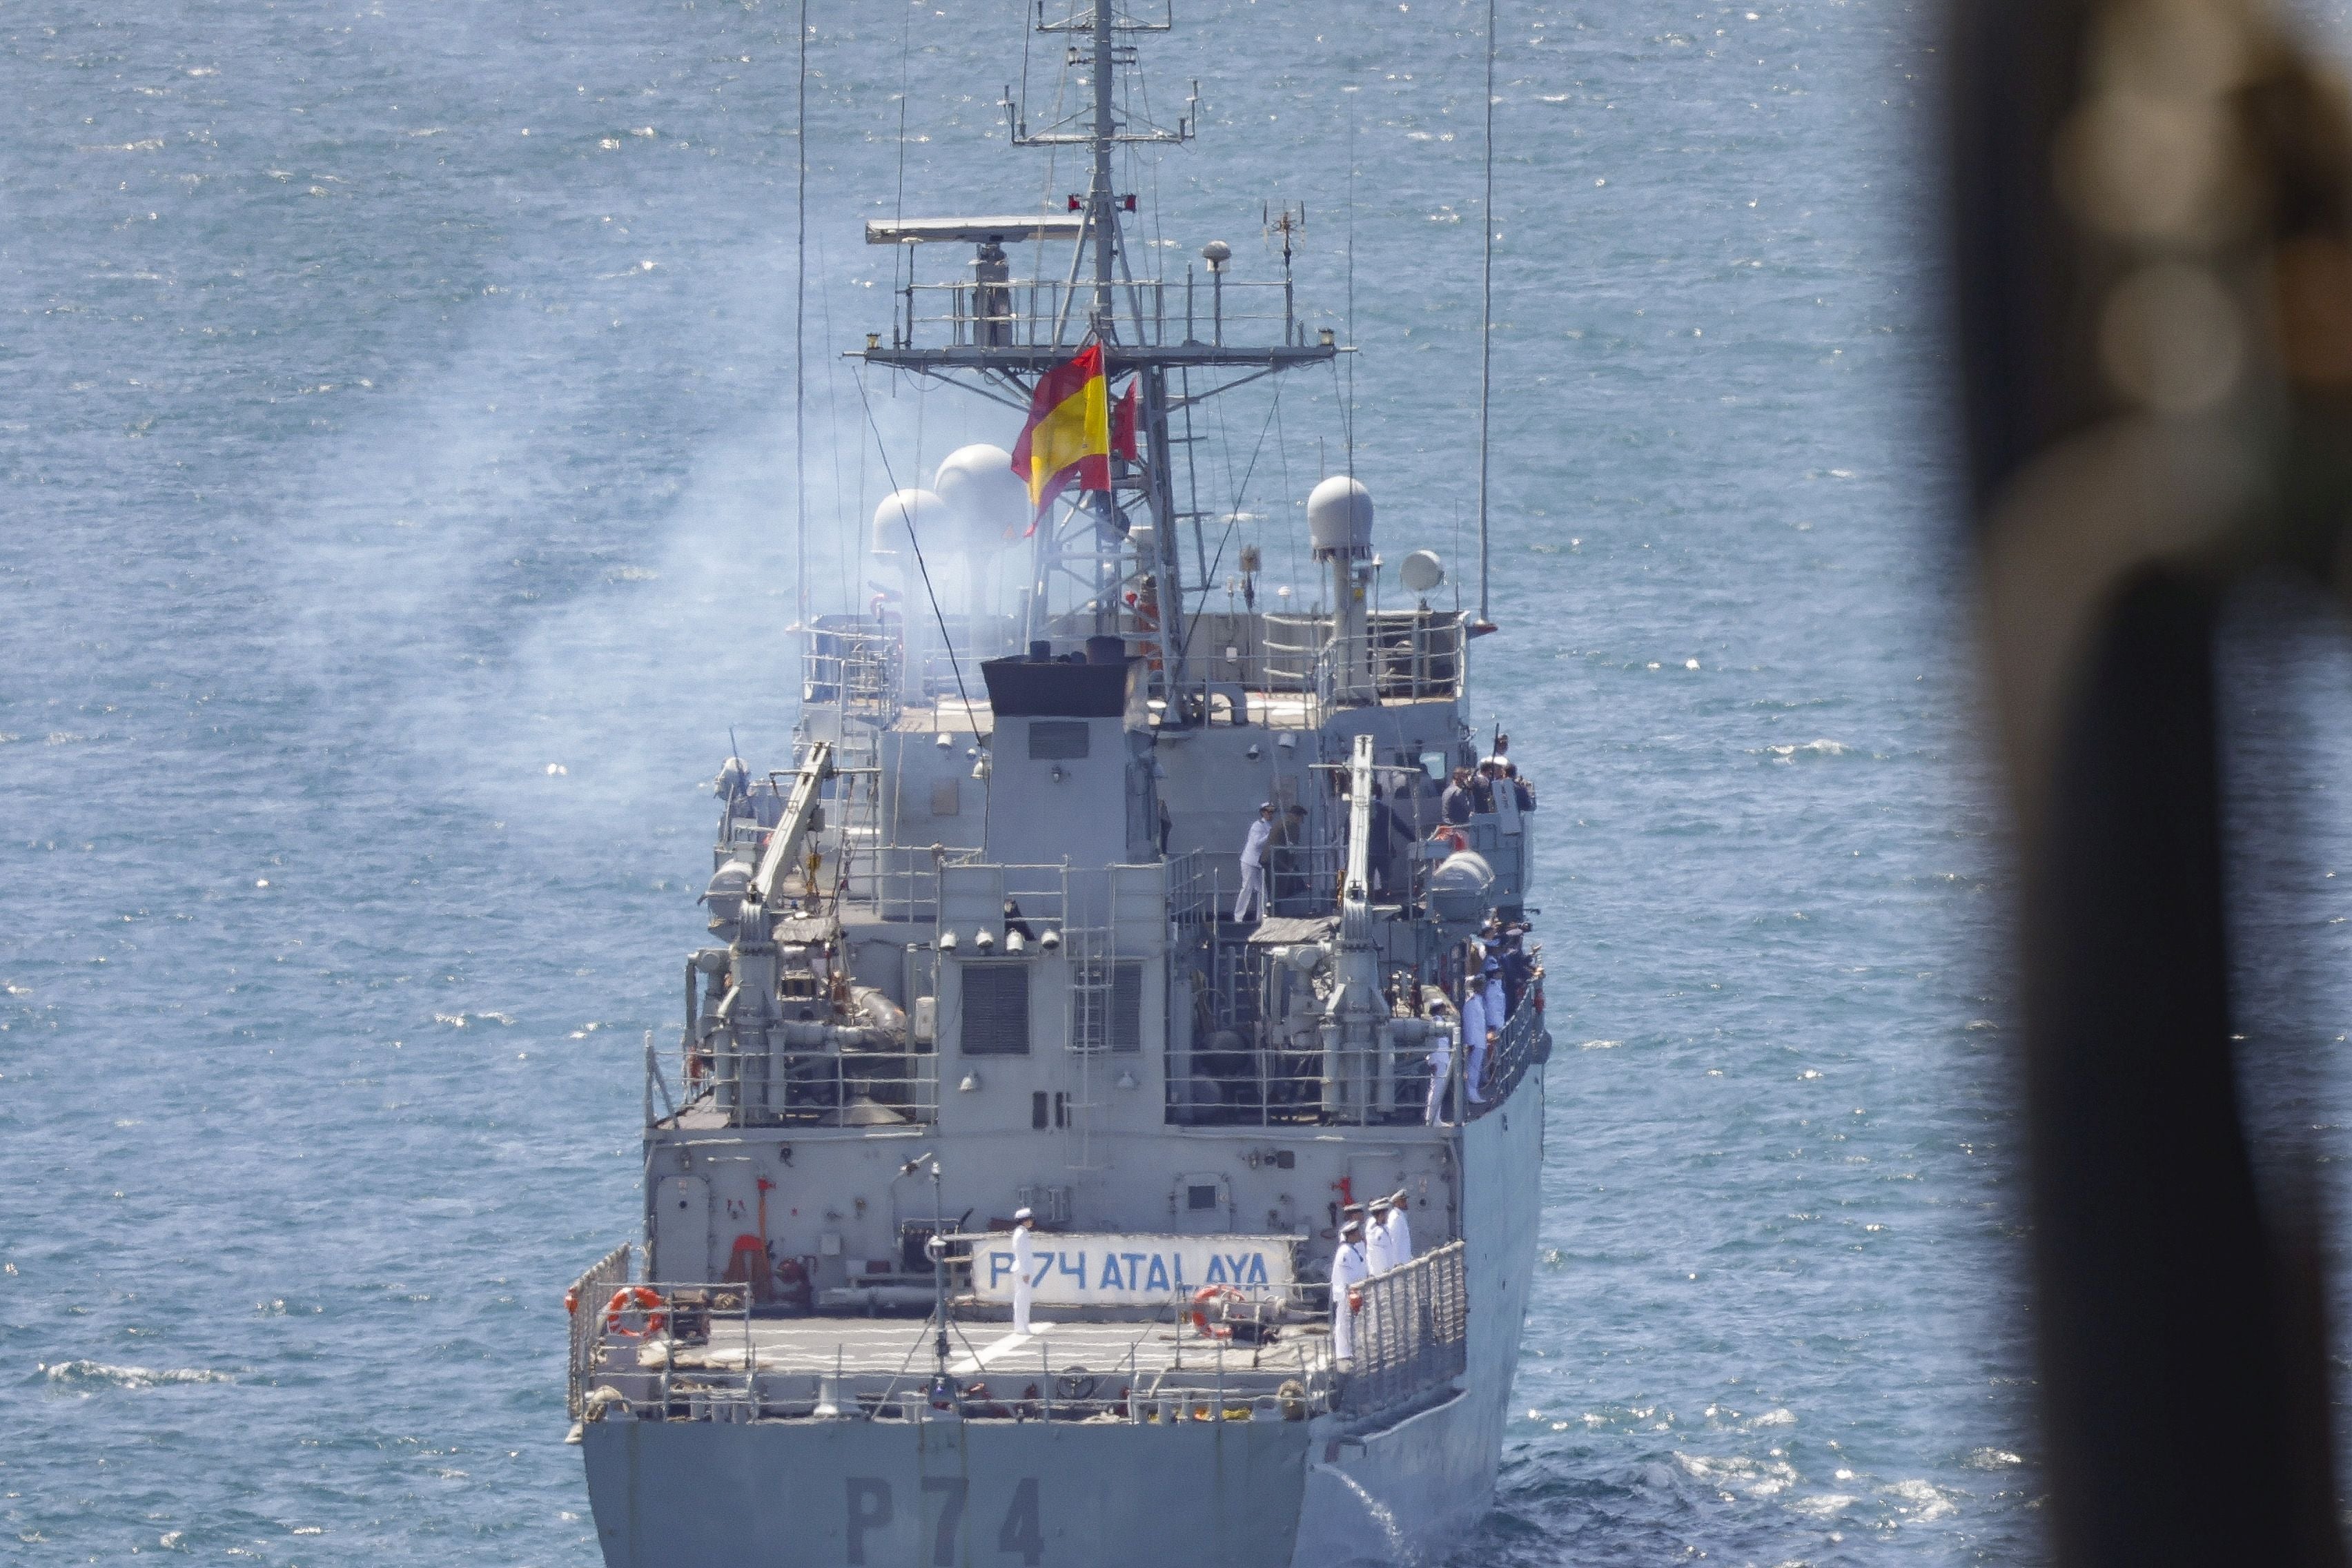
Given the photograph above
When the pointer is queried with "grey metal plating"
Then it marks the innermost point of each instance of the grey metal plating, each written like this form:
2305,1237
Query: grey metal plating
976,950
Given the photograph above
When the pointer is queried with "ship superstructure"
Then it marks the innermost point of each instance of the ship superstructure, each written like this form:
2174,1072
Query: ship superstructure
975,951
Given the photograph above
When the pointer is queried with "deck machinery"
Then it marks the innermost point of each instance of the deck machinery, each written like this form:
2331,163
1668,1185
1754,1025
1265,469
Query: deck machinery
974,950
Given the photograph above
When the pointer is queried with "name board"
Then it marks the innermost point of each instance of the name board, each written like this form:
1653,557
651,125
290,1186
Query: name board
1132,1270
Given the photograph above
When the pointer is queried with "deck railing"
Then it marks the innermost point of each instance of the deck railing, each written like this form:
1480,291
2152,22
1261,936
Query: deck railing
707,1352
1522,1042
587,1298
1411,1332
1023,312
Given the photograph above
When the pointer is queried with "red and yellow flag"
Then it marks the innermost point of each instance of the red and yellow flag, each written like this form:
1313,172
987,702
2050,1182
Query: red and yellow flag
1067,439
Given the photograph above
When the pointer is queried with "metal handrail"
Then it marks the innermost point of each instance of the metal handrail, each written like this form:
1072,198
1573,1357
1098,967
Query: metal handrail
1027,312
719,1371
1522,1043
1411,1332
586,1299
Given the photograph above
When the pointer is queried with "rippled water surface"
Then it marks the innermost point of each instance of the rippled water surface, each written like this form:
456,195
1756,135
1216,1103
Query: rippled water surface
398,466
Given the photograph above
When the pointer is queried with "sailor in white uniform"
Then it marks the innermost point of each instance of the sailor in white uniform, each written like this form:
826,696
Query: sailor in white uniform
1348,1269
1478,1019
1388,1239
1253,893
1441,1068
1025,1266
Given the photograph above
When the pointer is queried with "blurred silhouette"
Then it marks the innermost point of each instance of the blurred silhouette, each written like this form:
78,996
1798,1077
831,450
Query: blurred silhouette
2153,305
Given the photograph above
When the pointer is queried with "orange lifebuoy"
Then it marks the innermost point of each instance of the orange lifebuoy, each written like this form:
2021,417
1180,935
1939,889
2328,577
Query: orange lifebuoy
1454,838
1201,1300
635,1298
572,1300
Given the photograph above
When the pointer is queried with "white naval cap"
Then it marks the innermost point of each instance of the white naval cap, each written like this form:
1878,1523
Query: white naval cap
1021,1213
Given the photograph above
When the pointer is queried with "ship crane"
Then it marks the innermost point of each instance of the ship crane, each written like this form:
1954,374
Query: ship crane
800,814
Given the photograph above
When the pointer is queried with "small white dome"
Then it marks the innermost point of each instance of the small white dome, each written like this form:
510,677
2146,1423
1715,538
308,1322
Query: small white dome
1339,519
903,513
985,499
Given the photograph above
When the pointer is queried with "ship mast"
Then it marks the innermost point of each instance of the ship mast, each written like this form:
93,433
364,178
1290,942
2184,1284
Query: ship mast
1001,334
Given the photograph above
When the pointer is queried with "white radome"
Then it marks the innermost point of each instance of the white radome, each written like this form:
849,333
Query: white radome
1340,518
903,513
986,502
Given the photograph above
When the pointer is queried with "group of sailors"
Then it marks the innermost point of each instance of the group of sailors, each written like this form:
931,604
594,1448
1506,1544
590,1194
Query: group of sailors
1477,792
1375,1237
1269,875
1498,972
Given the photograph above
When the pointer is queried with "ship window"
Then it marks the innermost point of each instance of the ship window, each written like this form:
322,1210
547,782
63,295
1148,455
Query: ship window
1127,1005
1201,1196
1057,739
995,1009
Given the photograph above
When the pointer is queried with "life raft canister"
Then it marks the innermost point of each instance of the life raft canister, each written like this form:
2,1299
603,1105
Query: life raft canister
1201,1300
635,1298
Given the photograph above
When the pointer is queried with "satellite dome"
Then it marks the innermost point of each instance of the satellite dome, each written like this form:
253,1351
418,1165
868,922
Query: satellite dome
1339,519
904,516
985,500
1421,571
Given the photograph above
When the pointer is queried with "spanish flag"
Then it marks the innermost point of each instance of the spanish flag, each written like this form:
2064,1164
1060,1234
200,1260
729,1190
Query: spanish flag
1067,439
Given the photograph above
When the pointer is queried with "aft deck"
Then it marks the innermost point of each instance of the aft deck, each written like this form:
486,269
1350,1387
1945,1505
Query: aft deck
1136,1355
724,1363
801,1368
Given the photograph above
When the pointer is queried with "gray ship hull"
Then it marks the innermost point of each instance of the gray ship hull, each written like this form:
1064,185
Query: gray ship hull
1322,1493
905,1494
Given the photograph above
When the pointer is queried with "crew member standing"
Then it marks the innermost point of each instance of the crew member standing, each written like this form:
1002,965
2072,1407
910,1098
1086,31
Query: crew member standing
1348,1270
1024,1264
1441,1068
1380,1242
1389,1211
1458,803
1477,1030
1251,901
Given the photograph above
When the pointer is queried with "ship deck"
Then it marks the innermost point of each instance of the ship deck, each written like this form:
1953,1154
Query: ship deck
1139,1355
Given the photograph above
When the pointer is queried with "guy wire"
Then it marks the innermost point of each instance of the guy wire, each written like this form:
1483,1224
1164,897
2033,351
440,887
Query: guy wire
954,662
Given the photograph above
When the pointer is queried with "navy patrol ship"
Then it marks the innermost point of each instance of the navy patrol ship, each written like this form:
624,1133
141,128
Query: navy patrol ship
1099,955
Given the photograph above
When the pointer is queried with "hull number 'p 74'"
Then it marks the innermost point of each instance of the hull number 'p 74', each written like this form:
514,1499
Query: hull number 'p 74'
873,1513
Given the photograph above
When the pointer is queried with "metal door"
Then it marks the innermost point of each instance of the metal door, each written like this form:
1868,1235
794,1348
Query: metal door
681,1231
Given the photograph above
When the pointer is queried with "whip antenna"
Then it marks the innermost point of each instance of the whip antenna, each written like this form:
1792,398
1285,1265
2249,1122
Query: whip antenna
1485,322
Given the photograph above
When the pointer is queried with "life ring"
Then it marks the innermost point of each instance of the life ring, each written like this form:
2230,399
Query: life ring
572,1300
1453,838
1201,1300
636,1297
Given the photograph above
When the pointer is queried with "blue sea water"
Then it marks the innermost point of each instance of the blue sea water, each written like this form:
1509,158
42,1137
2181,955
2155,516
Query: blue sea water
398,466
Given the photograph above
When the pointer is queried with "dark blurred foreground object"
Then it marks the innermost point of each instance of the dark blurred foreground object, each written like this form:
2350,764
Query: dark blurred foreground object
2154,229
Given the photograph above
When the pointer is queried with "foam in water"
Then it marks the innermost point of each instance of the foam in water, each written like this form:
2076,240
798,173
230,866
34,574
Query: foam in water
89,1376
